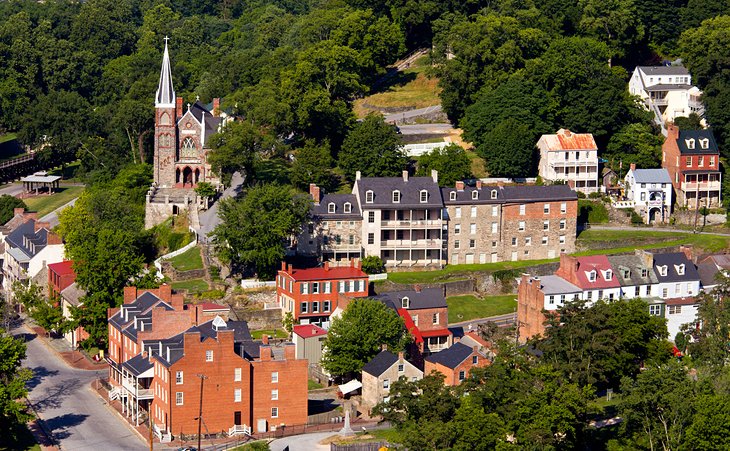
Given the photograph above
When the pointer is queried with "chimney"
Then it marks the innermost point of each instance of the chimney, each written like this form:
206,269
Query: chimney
53,238
290,351
41,225
265,353
18,211
435,175
460,185
290,268
327,266
130,294
479,184
314,191
633,166
672,131
358,175
417,288
686,249
405,176
265,339
571,184
400,355
384,347
165,292
177,302
283,266
216,107
178,107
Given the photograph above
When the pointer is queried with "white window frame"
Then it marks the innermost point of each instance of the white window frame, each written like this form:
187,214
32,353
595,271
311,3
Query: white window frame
209,355
237,375
348,207
274,377
522,209
237,395
396,196
494,194
369,196
423,196
474,211
331,207
452,195
546,209
179,378
179,398
274,395
475,195
274,412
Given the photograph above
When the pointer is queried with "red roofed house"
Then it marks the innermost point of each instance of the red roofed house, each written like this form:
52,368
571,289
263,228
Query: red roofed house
312,294
572,157
594,275
308,340
62,288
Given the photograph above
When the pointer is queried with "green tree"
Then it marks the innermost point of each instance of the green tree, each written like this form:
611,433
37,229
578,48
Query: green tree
635,143
373,148
709,343
7,205
238,147
13,381
451,162
254,229
710,428
313,164
614,22
691,122
508,149
373,264
703,49
358,335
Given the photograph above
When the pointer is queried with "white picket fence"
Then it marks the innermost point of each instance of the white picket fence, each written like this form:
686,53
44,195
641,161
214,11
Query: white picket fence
416,150
187,247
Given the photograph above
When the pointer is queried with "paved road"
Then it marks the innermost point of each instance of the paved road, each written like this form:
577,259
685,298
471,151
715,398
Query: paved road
12,189
209,218
305,442
653,229
52,217
426,129
78,418
412,113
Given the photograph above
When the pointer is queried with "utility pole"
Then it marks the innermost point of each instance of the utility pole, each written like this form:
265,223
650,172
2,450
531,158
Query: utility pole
149,417
202,377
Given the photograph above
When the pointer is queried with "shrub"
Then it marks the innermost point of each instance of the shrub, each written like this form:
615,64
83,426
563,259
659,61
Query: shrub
595,195
373,265
211,294
581,194
635,217
591,212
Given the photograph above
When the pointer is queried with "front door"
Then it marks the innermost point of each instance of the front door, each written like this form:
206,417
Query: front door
237,418
482,257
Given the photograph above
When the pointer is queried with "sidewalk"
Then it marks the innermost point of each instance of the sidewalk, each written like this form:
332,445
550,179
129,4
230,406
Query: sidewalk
74,359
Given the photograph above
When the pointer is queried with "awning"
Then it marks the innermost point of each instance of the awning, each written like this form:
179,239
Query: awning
350,386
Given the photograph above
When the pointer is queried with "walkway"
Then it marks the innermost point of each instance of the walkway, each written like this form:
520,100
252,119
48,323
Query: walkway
52,217
412,113
209,219
500,320
653,229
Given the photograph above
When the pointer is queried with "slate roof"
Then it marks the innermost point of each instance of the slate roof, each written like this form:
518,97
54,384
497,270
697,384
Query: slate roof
526,193
451,357
464,197
697,135
73,294
668,87
652,176
710,265
425,299
320,273
672,260
410,190
664,70
634,264
322,210
557,285
137,365
140,308
27,239
380,363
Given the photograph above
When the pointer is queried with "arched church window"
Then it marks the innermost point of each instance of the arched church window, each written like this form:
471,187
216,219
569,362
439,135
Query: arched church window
188,149
165,141
164,119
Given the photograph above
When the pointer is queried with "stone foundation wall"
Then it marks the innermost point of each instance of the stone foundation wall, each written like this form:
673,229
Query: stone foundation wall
260,319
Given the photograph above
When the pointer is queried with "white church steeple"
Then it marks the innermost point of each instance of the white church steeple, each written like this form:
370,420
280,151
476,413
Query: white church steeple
165,97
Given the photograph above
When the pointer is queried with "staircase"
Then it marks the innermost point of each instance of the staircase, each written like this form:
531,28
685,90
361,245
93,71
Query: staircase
115,393
239,429
162,436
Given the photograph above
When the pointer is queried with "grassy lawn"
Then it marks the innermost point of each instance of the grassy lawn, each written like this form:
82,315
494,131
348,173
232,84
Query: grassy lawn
313,385
45,204
390,435
278,333
478,166
411,88
468,307
708,243
188,260
192,286
17,438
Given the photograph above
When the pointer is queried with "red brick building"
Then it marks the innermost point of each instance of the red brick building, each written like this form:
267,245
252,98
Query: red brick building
62,288
161,351
693,161
60,276
456,362
312,294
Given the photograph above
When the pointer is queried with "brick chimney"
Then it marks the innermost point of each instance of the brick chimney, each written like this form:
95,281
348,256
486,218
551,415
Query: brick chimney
417,288
400,355
130,294
290,351
53,238
18,211
265,339
405,176
41,225
165,292
633,166
479,184
283,266
314,191
178,107
571,184
459,185
265,353
672,132
216,107
327,266
686,249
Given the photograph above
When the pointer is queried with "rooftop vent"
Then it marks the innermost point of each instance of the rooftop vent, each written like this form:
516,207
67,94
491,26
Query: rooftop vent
219,323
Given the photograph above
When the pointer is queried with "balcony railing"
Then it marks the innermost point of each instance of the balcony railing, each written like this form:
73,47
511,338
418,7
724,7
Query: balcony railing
702,186
412,244
342,247
239,429
411,223
141,393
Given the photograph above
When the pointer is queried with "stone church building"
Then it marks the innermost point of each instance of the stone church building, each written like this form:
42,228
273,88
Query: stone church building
181,150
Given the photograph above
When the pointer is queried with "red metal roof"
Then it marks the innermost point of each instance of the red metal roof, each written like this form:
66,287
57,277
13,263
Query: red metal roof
435,333
309,330
212,306
62,268
411,326
342,272
567,140
600,263
681,301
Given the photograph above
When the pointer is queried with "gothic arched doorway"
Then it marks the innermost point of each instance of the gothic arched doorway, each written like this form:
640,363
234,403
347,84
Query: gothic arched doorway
177,175
197,176
187,176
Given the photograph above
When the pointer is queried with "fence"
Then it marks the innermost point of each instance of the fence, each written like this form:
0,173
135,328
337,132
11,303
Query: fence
187,247
370,446
286,431
373,277
416,150
253,283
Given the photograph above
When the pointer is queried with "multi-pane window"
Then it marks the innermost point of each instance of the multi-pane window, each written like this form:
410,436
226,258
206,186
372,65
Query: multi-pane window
551,300
304,307
562,224
209,356
315,307
178,398
457,229
457,244
371,238
178,377
274,395
494,194
274,377
665,292
462,375
435,318
274,412
546,208
472,244
521,226
544,241
348,207
315,287
326,305
331,207
689,161
528,241
655,310
563,207
546,225
561,239
371,217
401,367
396,196
369,197
237,395
452,195
514,241
522,209
237,375
386,384
674,309
424,196
474,359
474,211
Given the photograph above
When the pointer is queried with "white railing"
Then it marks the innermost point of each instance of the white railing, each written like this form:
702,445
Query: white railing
115,393
239,429
416,150
413,244
414,222
162,436
691,186
254,283
187,247
383,276
623,204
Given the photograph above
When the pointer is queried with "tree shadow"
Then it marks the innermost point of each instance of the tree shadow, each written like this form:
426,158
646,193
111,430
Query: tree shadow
39,373
25,336
59,425
54,396
315,406
393,79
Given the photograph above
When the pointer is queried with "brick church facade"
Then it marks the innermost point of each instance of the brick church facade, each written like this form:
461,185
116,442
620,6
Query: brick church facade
181,149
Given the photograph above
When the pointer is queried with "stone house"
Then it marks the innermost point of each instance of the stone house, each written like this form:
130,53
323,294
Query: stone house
379,373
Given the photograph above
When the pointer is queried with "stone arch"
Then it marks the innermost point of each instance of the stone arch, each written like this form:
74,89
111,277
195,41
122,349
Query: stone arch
165,118
197,175
177,175
187,174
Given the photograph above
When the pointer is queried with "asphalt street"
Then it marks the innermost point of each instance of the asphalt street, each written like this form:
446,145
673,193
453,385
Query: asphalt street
76,416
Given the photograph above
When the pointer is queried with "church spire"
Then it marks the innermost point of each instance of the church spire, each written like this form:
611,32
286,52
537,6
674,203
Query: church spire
165,97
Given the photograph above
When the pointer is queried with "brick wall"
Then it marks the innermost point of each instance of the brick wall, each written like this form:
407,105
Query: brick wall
529,242
452,375
530,303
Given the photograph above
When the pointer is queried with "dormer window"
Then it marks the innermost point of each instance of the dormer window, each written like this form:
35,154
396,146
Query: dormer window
396,196
405,302
608,274
494,194
475,194
662,270
680,269
626,274
644,272
704,143
348,207
423,196
331,207
690,143
452,195
592,276
368,197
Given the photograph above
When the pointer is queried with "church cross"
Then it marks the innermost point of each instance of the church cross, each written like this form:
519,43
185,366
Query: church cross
166,39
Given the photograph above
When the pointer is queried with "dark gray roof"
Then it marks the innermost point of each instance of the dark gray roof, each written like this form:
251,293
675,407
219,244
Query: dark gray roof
380,363
526,193
707,271
140,309
664,70
27,239
339,200
652,176
668,87
464,197
424,299
451,357
383,187
672,260
634,264
684,135
137,365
